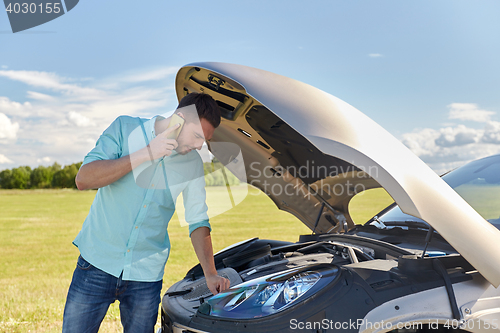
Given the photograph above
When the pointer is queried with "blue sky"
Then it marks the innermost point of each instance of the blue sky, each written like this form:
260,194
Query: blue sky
427,71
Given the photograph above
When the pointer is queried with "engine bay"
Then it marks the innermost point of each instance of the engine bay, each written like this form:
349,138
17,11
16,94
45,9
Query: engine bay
255,258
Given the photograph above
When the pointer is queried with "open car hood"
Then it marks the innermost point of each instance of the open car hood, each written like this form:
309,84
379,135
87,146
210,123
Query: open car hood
310,152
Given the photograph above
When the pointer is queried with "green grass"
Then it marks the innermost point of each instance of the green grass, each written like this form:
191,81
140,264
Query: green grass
368,203
37,258
36,255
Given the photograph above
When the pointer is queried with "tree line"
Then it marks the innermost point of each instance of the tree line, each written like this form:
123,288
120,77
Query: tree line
55,176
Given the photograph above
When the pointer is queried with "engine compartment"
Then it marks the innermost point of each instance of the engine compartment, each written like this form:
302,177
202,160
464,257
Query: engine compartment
370,272
256,257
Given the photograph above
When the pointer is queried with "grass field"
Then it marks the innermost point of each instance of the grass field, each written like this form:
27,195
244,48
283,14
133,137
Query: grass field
37,258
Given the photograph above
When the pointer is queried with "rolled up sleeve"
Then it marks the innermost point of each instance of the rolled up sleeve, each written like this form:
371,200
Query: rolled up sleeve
194,226
108,146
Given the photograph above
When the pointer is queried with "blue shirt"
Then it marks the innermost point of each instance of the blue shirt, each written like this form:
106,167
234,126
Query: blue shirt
126,228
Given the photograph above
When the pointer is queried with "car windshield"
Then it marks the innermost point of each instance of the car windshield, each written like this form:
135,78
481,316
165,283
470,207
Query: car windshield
477,182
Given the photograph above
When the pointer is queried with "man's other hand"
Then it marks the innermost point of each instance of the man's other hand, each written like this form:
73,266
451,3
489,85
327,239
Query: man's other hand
217,283
202,243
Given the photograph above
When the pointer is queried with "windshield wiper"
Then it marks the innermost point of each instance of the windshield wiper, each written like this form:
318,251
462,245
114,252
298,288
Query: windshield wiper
378,223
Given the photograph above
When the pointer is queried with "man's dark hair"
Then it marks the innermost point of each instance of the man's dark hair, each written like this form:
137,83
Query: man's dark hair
205,106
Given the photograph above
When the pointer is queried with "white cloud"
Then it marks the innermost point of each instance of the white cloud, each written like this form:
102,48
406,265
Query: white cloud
421,142
458,136
65,116
129,101
8,130
39,96
5,66
491,132
14,108
79,120
53,82
455,144
44,160
375,55
36,79
106,102
5,160
468,111
446,148
151,75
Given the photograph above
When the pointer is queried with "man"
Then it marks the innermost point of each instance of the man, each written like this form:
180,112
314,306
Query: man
124,243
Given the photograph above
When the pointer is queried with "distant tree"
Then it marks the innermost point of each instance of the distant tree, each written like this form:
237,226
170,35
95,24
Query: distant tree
71,172
6,178
65,177
41,177
56,167
59,179
56,176
21,177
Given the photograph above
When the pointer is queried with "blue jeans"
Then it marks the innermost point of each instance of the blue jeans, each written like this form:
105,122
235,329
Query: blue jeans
92,291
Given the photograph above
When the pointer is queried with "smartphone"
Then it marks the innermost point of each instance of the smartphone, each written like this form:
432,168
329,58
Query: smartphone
175,119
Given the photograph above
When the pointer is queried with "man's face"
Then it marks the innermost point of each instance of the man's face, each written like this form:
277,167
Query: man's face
193,134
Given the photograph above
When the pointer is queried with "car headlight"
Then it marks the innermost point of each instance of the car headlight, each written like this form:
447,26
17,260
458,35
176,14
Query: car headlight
269,294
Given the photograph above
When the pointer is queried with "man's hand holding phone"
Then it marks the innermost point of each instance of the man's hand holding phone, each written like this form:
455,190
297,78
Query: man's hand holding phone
163,144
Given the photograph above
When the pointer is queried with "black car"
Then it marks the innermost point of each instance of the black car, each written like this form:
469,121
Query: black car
431,261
